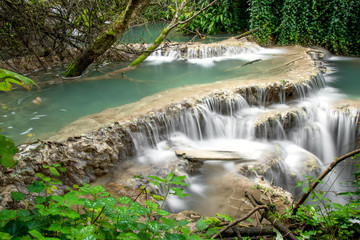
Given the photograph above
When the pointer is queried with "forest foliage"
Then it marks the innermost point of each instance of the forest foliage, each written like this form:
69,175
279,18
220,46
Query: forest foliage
331,24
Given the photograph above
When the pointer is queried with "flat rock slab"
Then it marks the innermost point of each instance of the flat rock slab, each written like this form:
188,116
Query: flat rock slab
205,155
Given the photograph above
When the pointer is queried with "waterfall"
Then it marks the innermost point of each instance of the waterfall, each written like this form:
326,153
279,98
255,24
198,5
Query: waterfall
306,133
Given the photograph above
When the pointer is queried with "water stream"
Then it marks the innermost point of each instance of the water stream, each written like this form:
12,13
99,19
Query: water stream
316,133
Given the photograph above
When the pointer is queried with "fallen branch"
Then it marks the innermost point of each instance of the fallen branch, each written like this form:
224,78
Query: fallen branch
248,33
245,64
249,232
286,233
240,220
318,180
286,64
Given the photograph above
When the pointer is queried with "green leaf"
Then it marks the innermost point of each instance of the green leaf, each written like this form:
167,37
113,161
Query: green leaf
39,199
171,223
5,236
7,151
124,200
201,224
16,228
54,172
36,234
6,76
17,196
125,236
138,209
36,225
175,236
36,187
158,197
305,189
162,212
151,205
154,226
6,215
170,176
179,192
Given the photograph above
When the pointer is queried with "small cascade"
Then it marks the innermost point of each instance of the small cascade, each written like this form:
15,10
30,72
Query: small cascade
203,52
303,135
206,54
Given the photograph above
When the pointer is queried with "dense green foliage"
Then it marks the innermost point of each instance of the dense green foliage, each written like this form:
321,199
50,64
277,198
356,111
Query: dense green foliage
90,212
224,16
330,24
327,219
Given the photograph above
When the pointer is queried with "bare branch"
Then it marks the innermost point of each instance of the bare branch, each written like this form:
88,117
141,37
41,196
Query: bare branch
321,177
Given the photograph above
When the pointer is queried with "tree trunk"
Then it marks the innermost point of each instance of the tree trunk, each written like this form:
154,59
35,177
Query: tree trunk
106,39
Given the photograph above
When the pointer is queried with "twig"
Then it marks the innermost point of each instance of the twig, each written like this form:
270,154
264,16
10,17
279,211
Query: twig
318,180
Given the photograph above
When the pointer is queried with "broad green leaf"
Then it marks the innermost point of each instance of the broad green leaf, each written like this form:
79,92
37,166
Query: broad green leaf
5,236
175,236
151,205
17,196
7,76
179,192
40,199
124,200
37,235
162,212
130,236
170,176
36,187
201,224
24,215
54,172
7,151
169,222
154,226
16,228
7,215
138,209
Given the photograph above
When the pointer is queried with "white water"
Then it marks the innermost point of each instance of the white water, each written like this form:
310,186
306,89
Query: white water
207,56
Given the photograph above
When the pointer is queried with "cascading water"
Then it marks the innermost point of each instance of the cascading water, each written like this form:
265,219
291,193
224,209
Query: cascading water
305,137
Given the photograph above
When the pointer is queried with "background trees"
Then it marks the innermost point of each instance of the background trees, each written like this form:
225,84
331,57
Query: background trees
62,29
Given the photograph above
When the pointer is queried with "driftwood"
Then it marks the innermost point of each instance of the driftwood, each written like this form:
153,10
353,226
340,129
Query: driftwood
245,64
317,181
248,33
285,64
